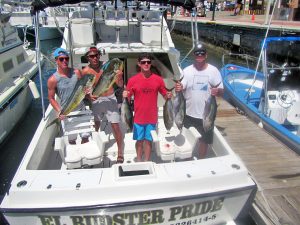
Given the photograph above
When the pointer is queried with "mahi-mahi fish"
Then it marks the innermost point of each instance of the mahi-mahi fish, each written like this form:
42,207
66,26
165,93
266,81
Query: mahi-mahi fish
168,113
108,77
210,111
127,115
77,95
179,107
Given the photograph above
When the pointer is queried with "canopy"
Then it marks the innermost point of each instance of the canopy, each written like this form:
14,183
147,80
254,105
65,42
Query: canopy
42,4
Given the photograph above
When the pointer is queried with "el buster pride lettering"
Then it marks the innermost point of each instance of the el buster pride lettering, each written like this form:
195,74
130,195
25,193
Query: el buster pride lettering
161,216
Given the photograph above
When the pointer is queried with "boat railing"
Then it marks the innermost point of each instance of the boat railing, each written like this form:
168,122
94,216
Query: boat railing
246,60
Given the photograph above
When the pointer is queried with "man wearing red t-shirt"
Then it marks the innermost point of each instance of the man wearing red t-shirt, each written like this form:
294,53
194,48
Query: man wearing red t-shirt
145,86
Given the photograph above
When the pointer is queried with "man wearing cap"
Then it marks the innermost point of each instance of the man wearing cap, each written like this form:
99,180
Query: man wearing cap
198,83
106,104
62,83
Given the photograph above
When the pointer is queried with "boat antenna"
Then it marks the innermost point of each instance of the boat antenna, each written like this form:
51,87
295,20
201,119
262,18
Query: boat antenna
38,57
260,57
194,33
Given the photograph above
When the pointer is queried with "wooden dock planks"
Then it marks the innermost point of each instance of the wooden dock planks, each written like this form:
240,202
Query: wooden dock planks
275,168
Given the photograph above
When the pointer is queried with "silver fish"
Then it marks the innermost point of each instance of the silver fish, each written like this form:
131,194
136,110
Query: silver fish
127,115
210,112
108,77
77,95
168,113
179,108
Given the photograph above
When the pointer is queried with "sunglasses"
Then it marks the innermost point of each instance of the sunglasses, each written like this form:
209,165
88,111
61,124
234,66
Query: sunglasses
145,61
61,59
199,53
93,56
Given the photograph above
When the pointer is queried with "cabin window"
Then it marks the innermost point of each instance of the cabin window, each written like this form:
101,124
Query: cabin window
8,65
20,58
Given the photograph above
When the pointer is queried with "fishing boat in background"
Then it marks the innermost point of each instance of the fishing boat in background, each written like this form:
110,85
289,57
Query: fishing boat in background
270,96
51,21
62,183
17,68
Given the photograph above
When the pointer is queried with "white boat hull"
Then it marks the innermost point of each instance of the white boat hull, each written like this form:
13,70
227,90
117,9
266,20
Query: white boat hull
211,208
14,111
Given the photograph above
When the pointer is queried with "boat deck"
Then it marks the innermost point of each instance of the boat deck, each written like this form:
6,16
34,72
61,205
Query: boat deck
275,168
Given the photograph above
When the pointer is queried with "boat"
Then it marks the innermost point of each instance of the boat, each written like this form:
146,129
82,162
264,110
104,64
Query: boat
270,95
49,29
17,68
60,183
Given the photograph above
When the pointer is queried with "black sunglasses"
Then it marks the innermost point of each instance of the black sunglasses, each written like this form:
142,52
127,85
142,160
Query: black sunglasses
93,56
145,61
61,59
201,53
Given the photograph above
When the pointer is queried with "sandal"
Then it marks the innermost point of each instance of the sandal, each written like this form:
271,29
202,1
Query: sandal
120,159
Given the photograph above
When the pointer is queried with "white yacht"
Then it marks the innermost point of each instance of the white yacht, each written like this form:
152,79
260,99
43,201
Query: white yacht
17,67
60,183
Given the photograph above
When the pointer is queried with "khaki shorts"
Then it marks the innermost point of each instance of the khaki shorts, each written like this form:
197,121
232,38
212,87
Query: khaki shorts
106,106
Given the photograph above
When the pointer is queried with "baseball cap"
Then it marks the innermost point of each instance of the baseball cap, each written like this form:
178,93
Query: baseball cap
200,50
92,49
60,52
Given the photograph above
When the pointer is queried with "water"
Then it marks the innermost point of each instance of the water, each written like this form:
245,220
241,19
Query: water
14,148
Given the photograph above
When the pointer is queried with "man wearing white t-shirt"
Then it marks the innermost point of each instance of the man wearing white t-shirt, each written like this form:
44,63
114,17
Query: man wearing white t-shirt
198,83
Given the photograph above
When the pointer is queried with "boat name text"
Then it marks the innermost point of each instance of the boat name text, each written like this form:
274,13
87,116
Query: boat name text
154,216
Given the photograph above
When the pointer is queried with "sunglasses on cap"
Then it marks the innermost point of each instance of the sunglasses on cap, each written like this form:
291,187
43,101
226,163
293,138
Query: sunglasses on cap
61,59
93,56
143,62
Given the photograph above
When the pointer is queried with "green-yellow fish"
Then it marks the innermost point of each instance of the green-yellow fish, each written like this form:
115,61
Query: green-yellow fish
78,94
108,77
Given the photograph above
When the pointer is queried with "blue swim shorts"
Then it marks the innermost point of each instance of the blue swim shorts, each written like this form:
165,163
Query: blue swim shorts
143,131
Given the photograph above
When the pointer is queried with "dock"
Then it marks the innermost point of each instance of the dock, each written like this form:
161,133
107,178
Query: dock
274,167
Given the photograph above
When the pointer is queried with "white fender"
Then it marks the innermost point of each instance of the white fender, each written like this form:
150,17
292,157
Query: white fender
34,89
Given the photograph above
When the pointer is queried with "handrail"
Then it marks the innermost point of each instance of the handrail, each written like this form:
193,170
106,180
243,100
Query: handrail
38,58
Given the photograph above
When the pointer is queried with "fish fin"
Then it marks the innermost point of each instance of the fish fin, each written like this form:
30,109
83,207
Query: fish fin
53,122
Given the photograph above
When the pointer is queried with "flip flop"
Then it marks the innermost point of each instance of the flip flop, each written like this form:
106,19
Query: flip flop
120,159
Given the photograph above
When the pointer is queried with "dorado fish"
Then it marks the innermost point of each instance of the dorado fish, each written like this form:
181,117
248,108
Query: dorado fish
210,112
108,77
127,115
77,95
179,108
168,113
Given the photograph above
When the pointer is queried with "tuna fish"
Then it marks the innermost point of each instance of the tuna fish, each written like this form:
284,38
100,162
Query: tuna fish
179,108
108,77
127,115
210,112
78,94
168,113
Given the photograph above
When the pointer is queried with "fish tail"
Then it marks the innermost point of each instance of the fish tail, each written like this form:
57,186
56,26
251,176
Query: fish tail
53,122
214,86
170,89
176,81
